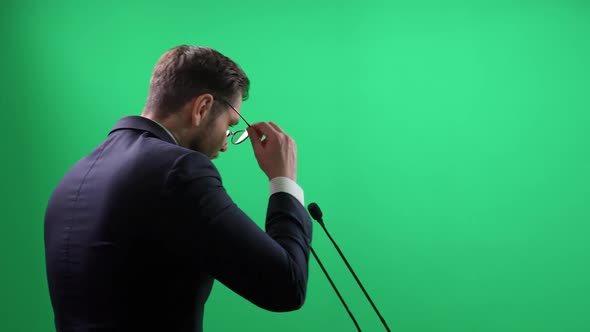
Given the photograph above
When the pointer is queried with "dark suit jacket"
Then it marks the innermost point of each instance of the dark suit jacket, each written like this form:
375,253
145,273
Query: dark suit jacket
136,232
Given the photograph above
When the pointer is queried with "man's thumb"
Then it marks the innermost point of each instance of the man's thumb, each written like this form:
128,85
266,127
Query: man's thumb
254,137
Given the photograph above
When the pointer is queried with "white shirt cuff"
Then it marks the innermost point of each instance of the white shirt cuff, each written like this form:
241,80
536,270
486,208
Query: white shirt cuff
286,185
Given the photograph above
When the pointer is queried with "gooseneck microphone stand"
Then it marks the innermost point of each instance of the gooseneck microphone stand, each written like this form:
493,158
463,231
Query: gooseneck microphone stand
316,214
335,289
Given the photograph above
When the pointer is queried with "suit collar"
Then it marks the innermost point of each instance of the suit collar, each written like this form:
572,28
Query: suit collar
145,124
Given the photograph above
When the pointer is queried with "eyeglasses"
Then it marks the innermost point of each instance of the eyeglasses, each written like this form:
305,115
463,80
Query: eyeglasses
238,136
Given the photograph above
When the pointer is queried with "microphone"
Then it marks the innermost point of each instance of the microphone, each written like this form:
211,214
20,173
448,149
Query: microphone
316,214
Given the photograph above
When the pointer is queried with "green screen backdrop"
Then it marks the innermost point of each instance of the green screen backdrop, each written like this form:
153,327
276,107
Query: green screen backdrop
447,142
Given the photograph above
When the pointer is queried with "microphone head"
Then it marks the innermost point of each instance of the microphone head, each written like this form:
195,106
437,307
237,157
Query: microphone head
315,211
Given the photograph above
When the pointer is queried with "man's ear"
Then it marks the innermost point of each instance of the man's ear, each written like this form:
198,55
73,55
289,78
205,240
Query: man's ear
201,107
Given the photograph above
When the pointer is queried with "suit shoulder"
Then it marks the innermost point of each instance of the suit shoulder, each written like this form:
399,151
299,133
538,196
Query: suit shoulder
191,166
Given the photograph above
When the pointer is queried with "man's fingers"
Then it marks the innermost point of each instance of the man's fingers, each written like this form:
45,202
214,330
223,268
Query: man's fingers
253,133
264,128
276,127
254,137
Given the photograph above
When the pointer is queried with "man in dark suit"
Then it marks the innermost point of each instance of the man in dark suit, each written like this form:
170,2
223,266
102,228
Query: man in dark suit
137,231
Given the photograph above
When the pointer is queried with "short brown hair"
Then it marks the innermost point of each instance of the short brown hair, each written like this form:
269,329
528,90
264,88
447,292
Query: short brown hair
184,72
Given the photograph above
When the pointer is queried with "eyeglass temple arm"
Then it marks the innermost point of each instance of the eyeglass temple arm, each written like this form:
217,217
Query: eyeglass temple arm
233,108
242,118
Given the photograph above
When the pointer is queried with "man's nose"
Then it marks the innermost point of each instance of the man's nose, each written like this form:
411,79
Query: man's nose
224,146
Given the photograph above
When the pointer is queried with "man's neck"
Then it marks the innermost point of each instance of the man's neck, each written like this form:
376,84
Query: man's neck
160,123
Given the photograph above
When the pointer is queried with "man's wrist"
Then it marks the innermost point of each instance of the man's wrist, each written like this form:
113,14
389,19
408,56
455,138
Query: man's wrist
287,185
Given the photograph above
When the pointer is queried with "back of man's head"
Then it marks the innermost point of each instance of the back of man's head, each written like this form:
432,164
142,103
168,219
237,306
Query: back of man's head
185,72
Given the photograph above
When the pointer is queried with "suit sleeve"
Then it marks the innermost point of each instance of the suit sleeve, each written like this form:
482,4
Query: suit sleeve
270,269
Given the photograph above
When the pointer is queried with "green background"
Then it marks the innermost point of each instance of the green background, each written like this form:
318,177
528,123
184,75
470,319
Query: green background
447,143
